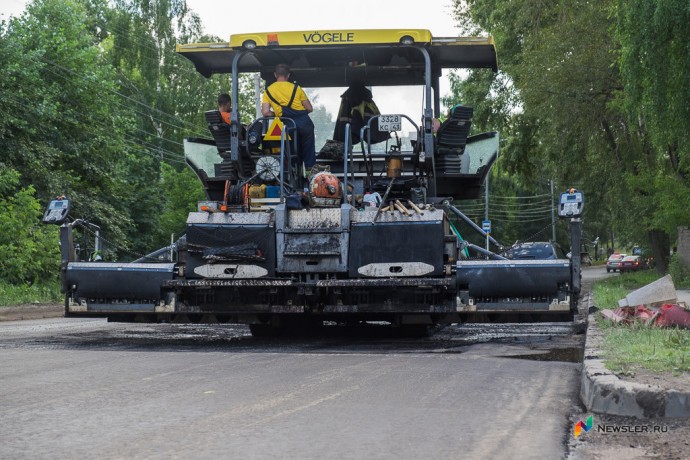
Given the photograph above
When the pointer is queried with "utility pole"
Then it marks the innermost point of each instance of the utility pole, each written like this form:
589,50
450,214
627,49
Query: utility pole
553,216
486,207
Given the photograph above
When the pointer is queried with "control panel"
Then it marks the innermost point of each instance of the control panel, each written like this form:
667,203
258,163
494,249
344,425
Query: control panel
571,204
57,211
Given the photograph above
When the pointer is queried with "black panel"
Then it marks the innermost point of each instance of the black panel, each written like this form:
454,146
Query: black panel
324,244
511,279
461,186
234,244
396,242
118,280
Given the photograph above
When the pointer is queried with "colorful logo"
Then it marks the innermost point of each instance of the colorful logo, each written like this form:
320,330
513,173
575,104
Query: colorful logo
582,426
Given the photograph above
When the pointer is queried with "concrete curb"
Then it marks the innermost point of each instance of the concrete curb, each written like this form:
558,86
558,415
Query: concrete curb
603,392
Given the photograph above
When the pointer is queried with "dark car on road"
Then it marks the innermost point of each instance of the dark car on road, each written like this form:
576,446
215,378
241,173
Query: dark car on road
613,262
632,264
535,250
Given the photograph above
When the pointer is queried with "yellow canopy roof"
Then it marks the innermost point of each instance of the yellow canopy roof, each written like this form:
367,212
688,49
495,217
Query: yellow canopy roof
322,58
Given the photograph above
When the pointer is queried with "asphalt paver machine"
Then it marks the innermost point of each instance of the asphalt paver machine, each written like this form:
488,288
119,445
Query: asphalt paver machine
369,237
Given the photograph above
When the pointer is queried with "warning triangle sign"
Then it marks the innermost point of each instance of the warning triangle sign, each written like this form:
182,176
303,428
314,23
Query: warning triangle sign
274,130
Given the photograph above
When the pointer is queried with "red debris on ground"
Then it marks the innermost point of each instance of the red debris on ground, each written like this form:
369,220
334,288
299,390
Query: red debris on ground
673,315
668,315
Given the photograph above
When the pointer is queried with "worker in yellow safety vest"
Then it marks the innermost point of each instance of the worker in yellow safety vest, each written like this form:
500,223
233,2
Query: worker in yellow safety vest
286,99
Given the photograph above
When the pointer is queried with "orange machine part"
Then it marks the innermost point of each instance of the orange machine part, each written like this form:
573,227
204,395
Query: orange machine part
325,185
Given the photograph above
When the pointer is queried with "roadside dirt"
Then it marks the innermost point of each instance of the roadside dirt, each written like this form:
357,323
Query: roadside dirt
624,438
31,311
664,380
656,438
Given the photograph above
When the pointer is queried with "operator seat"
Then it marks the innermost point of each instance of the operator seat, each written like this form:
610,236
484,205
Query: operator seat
451,139
221,134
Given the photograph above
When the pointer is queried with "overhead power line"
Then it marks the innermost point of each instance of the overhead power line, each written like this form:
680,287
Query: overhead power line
160,152
181,123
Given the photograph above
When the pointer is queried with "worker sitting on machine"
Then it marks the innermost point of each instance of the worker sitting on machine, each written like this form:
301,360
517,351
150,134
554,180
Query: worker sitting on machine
225,107
357,106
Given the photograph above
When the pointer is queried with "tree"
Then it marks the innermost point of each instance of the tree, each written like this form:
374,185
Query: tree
323,125
655,67
182,192
95,104
169,97
65,129
567,99
28,249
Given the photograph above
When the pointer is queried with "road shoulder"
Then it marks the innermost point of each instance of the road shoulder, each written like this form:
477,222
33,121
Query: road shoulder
604,392
31,311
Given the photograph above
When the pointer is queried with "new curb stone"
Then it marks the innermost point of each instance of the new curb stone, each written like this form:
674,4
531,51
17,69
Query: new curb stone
603,392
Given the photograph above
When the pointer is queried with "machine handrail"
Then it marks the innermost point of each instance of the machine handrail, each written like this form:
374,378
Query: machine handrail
375,117
367,153
347,155
293,130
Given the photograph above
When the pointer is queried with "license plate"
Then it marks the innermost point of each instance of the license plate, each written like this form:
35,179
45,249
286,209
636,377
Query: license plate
389,123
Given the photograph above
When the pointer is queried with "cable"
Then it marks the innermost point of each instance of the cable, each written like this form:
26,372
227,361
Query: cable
154,153
519,197
100,121
95,81
170,156
522,221
479,208
161,121
507,211
128,107
508,205
160,154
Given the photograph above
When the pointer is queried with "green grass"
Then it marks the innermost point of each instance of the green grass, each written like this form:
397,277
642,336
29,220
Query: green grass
631,347
11,294
607,292
628,348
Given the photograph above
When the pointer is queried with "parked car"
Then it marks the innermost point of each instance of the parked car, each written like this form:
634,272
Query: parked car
632,264
613,262
535,250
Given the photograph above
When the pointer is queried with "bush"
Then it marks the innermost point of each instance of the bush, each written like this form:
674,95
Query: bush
18,294
680,273
182,192
28,249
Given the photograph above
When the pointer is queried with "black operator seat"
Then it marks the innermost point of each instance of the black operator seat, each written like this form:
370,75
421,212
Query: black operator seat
452,134
220,131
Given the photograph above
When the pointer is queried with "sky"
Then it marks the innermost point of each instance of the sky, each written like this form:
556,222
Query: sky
223,18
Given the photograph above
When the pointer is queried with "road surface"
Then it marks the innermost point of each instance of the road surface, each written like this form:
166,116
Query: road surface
76,388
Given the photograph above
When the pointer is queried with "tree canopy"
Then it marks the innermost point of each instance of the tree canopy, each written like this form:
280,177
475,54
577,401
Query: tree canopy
591,94
96,106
